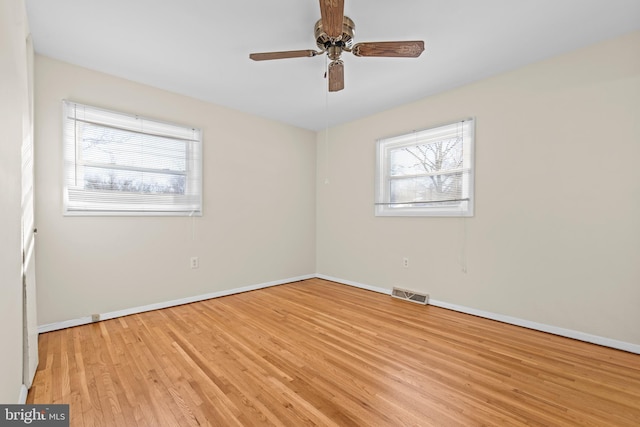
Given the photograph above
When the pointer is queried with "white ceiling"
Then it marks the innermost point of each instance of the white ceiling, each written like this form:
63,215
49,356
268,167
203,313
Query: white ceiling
200,48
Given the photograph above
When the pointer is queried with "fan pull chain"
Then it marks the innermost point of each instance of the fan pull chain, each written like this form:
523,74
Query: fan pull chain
326,125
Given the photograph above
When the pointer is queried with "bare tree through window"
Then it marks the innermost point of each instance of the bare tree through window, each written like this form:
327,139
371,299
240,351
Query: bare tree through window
119,160
427,172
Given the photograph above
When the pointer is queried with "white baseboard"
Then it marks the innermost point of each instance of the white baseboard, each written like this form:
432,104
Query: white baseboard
64,324
568,333
134,310
581,336
24,391
355,284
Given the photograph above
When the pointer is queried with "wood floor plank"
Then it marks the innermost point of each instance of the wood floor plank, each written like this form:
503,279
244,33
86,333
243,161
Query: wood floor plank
319,353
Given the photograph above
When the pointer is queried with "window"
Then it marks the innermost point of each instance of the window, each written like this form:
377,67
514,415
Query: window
426,173
120,164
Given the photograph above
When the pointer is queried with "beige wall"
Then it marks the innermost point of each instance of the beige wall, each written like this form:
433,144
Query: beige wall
259,206
556,235
555,238
13,99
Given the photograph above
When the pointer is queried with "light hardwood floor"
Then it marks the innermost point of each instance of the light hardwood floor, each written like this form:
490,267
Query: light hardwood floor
320,353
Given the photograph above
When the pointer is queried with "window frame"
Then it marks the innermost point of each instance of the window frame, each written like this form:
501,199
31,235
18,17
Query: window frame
80,201
384,146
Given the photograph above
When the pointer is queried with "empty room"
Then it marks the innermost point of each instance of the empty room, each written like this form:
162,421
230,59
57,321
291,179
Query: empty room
331,213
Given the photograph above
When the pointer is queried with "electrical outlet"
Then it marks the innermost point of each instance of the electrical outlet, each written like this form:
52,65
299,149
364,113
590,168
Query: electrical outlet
195,262
95,317
405,262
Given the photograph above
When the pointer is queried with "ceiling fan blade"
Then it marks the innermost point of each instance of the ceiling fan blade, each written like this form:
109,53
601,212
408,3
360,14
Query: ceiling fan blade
264,56
332,12
408,49
336,76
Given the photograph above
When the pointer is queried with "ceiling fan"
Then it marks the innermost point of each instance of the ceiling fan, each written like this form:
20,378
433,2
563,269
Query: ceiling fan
334,34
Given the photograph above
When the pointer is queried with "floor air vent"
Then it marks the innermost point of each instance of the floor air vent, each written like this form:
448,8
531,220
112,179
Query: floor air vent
408,295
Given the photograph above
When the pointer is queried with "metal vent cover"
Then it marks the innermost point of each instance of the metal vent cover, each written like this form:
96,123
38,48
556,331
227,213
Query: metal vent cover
409,295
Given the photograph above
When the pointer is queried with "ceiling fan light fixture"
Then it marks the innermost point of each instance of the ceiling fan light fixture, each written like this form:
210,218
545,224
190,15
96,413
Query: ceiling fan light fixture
334,52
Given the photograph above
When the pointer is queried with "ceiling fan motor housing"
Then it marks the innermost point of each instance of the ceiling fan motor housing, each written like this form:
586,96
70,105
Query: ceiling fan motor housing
334,47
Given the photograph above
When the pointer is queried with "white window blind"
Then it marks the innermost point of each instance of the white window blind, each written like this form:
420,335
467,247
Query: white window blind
426,173
122,164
